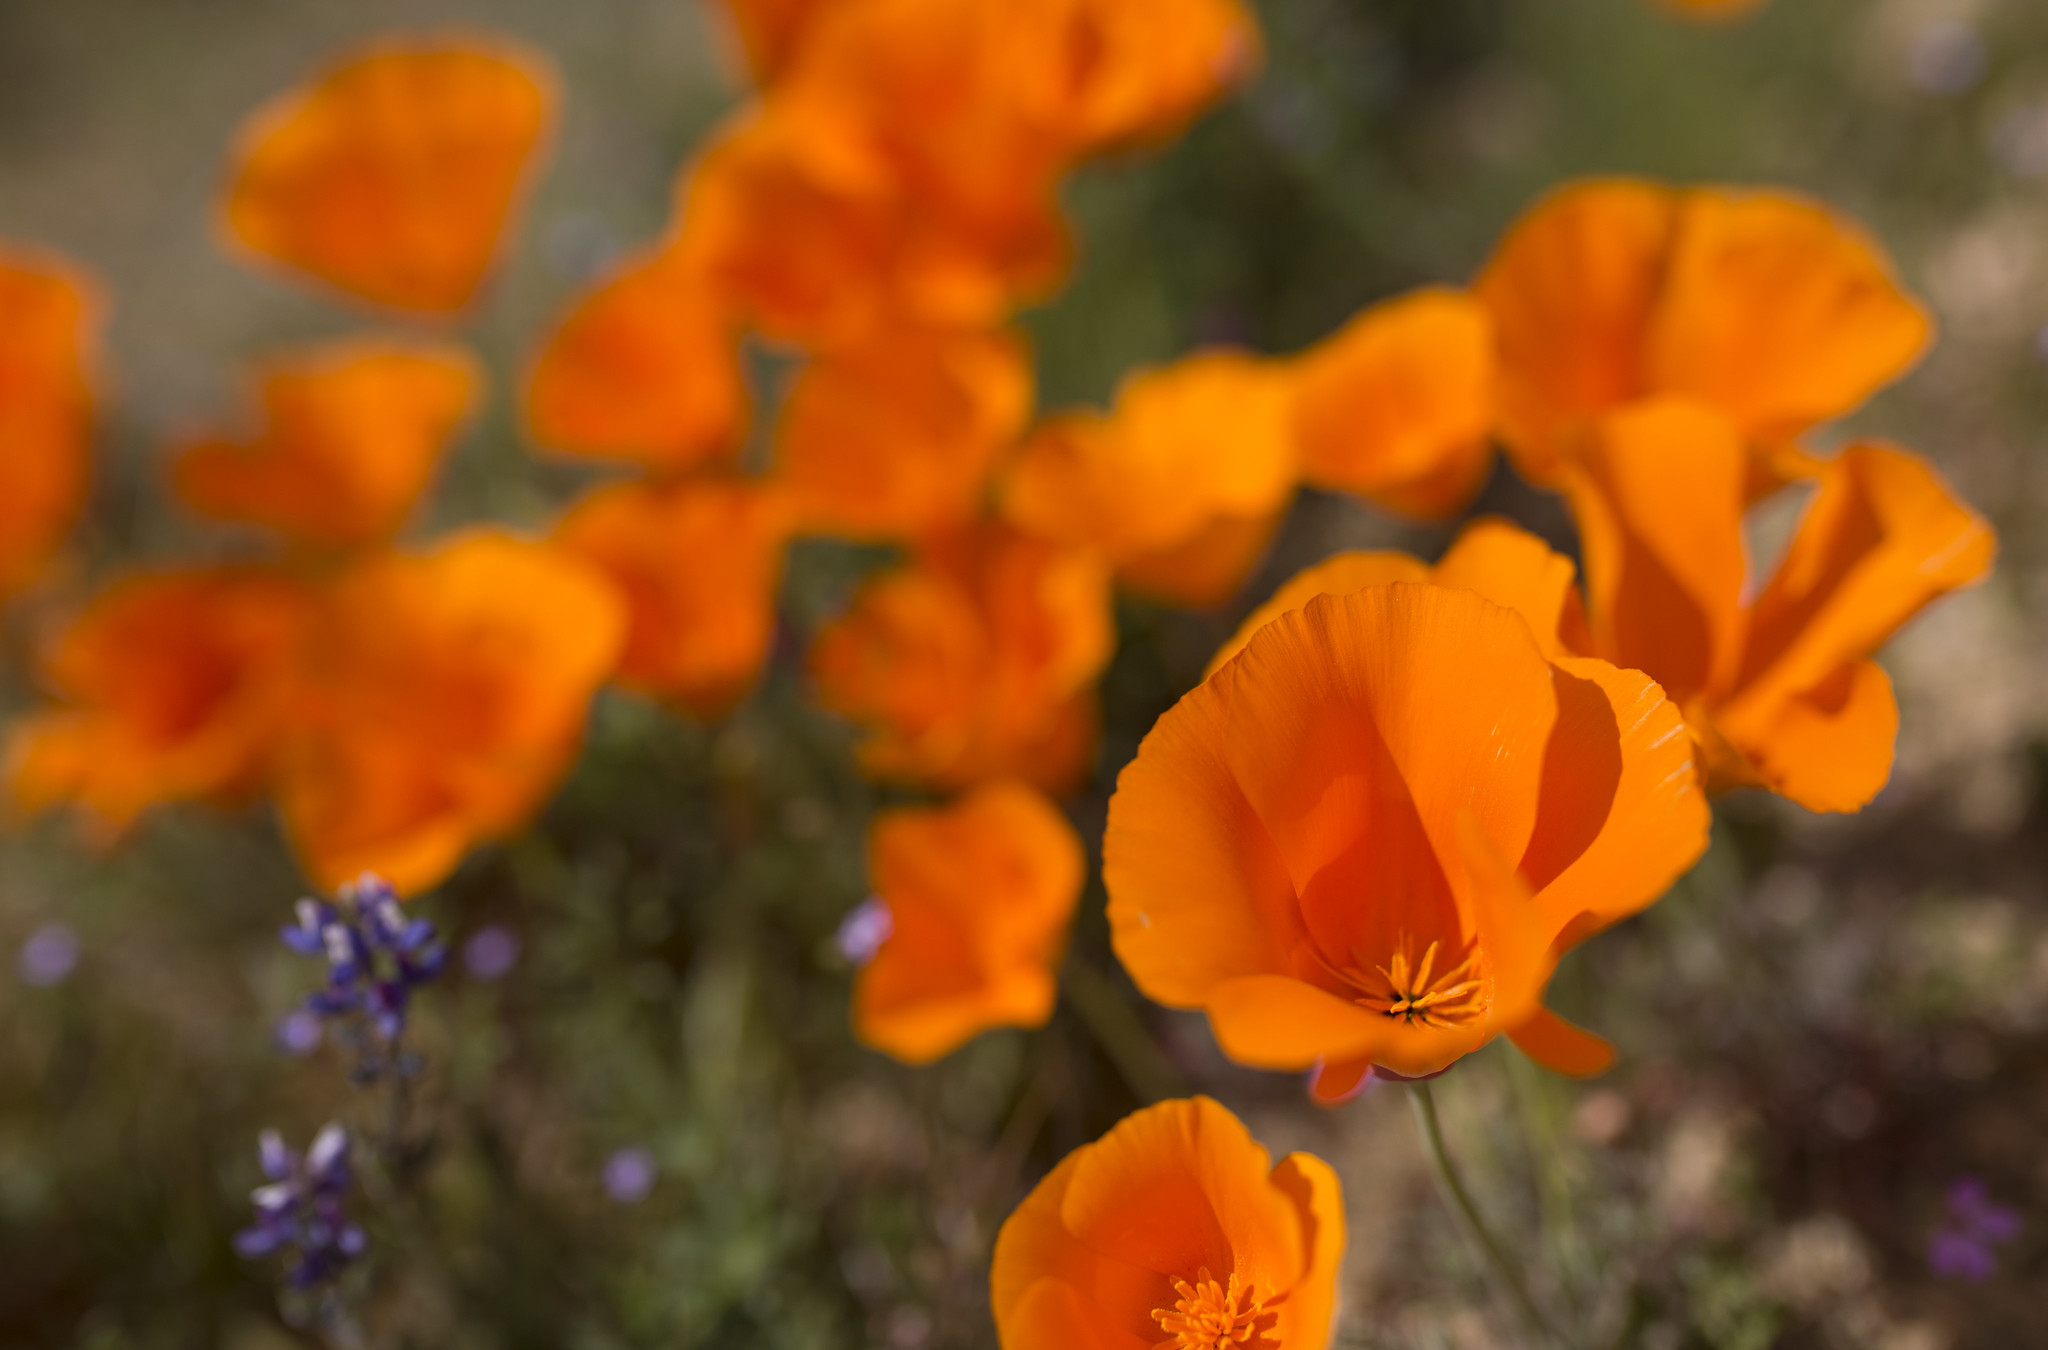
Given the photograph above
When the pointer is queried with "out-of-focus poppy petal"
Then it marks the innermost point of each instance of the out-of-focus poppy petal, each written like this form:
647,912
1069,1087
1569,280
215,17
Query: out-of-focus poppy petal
1339,574
1398,405
446,696
351,436
644,369
1573,289
1558,1045
1515,569
1309,1315
772,31
1659,495
896,438
1339,1081
393,173
50,317
1206,569
1128,71
1829,747
1713,9
1778,313
173,687
979,897
698,564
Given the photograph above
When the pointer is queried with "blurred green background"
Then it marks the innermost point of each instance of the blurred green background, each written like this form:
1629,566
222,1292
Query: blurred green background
1826,1026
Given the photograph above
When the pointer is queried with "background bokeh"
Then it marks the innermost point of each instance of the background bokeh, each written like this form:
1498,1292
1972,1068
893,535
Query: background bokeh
1824,1028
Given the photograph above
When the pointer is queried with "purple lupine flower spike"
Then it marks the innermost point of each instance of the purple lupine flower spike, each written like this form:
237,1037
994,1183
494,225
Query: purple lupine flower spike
376,957
302,1210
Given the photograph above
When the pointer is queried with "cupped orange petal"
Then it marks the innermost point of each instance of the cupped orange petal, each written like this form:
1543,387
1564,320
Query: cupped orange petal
350,438
1398,405
979,895
772,32
698,564
644,369
1338,574
897,438
50,316
1562,1047
393,173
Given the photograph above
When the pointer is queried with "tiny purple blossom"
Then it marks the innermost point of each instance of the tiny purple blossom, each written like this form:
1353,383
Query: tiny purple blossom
1961,1249
629,1175
49,956
376,957
865,929
491,952
298,1033
301,1209
1958,1256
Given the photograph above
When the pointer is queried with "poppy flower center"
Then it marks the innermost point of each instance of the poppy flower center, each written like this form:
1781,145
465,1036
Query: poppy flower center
1417,991
1209,1315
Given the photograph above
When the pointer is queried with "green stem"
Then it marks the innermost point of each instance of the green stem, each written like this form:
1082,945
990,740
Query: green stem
1506,1278
1121,1033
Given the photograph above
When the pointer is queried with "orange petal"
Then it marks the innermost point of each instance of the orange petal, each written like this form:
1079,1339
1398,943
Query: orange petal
1398,405
1829,747
1207,568
1558,1045
1339,574
1138,70
352,433
1308,1318
50,318
773,31
1779,313
644,369
1515,569
1336,1082
1573,288
393,173
897,439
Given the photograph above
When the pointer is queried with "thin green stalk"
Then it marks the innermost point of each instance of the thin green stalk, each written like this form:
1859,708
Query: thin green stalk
1507,1280
1121,1033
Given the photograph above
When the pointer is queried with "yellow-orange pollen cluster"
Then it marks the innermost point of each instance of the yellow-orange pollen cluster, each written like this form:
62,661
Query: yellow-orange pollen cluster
1414,992
1209,1315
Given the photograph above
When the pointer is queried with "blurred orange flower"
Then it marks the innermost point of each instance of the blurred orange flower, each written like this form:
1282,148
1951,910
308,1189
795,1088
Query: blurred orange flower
446,695
1366,839
645,369
1171,1232
975,661
171,686
392,173
977,896
698,564
1398,405
1762,305
1180,487
1779,691
49,332
1713,9
352,433
771,31
896,438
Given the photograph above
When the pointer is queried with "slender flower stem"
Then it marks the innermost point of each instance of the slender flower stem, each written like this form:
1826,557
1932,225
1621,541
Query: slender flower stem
1506,1278
1120,1033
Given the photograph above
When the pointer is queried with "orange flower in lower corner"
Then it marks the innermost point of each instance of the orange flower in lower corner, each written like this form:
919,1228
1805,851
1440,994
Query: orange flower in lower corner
699,564
393,173
172,687
975,661
1174,1231
1366,839
49,328
446,696
1180,487
968,921
352,433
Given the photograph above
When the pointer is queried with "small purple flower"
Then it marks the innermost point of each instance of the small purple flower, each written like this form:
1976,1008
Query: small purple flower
376,957
49,956
301,1209
1961,1249
491,952
862,932
298,1034
629,1175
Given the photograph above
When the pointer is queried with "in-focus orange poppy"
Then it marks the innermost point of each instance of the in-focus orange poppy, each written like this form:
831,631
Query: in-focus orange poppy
351,436
49,330
896,438
446,694
1398,405
772,31
805,228
1174,1231
645,369
1179,487
1779,691
1365,839
1763,305
392,174
968,920
975,661
699,564
170,687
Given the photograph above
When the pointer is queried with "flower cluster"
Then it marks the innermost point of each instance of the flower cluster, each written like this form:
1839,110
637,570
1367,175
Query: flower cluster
302,1209
1963,1247
376,957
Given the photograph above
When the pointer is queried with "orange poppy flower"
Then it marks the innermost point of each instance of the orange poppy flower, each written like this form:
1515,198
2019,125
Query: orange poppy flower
896,438
49,328
1398,405
351,435
392,174
1173,1232
1778,691
172,687
1117,72
803,226
1365,840
772,31
971,905
975,661
699,564
446,695
1179,487
645,369
1763,305
1713,9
